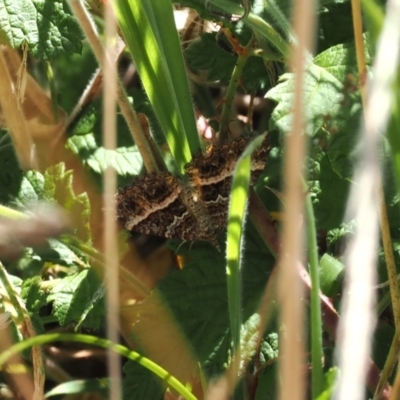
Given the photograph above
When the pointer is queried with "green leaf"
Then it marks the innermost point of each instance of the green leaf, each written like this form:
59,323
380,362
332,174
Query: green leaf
53,253
325,95
331,274
31,189
58,186
35,299
125,160
338,235
330,382
197,296
11,174
72,73
80,386
342,150
382,339
267,387
249,336
86,142
335,25
270,347
33,294
86,122
140,383
76,295
329,207
255,76
205,54
46,27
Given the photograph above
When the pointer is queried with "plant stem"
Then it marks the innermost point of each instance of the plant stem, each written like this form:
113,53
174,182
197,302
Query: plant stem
230,93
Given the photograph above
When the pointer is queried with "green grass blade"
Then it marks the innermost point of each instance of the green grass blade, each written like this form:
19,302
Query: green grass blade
317,377
169,39
236,220
7,212
106,344
149,30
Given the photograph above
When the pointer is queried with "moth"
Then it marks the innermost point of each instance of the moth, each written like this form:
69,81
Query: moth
196,209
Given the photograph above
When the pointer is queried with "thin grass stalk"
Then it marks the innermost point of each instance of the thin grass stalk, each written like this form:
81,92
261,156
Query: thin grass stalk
357,324
110,188
289,287
317,378
21,378
24,322
360,51
390,362
395,393
390,261
127,111
384,221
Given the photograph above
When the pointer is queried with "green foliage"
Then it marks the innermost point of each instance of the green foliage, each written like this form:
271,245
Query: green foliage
197,296
330,381
78,297
59,281
327,95
331,273
79,387
47,28
32,293
10,172
205,54
55,186
86,140
140,383
76,68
